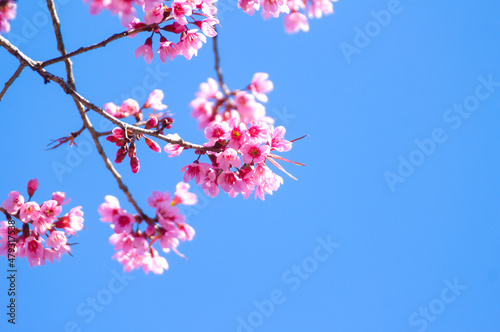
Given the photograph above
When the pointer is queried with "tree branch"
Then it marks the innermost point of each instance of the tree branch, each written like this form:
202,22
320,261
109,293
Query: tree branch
218,69
103,43
11,80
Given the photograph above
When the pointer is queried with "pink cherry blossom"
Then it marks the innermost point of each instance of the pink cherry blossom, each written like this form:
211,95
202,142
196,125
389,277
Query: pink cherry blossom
294,22
210,89
7,14
181,9
278,141
13,203
183,196
109,208
146,51
72,221
229,158
191,41
4,238
154,12
34,251
195,170
249,6
168,214
207,26
173,149
228,181
114,110
155,100
167,49
123,222
130,107
217,131
157,197
59,197
274,8
253,153
260,86
56,240
50,210
29,211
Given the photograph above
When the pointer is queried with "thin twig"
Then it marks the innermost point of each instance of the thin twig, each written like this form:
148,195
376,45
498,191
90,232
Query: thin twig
35,66
103,43
218,69
83,115
11,80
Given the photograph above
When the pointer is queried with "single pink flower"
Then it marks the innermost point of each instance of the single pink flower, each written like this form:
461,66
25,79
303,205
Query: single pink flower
217,131
181,9
260,86
50,210
123,222
229,181
278,141
57,239
155,100
157,197
34,251
183,196
72,222
59,197
146,51
253,153
13,203
195,170
130,107
109,208
29,211
167,49
228,158
294,22
207,26
191,41
249,6
154,12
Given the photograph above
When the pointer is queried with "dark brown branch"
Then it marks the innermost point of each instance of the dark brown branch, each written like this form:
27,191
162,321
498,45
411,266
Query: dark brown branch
218,69
36,66
103,43
86,122
11,80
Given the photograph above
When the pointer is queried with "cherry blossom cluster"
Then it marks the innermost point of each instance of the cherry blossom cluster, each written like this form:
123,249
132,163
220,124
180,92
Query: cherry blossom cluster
38,221
7,14
135,246
294,20
189,16
239,165
211,104
126,140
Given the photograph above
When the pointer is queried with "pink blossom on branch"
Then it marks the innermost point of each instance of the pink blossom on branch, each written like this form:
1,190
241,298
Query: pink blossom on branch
36,223
135,246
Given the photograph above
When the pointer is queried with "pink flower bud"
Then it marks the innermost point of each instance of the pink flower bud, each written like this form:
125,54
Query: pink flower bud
120,155
153,145
134,164
32,186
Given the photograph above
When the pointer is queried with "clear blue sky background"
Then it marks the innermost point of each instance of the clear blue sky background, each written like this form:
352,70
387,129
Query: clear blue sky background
400,253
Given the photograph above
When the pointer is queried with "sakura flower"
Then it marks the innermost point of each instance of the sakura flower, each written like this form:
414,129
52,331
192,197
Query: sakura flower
114,110
181,9
217,131
158,197
13,203
249,6
183,196
56,240
167,49
154,12
173,149
191,41
278,141
29,211
195,170
252,153
49,210
123,222
34,251
109,208
210,89
146,51
7,14
130,107
294,22
228,158
155,100
207,26
274,8
168,214
261,85
59,197
229,181
71,222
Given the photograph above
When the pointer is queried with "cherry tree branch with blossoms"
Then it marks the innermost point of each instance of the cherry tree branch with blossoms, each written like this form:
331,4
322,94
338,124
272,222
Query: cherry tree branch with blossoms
241,140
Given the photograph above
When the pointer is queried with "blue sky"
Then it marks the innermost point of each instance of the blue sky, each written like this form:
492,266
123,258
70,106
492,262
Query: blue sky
392,226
